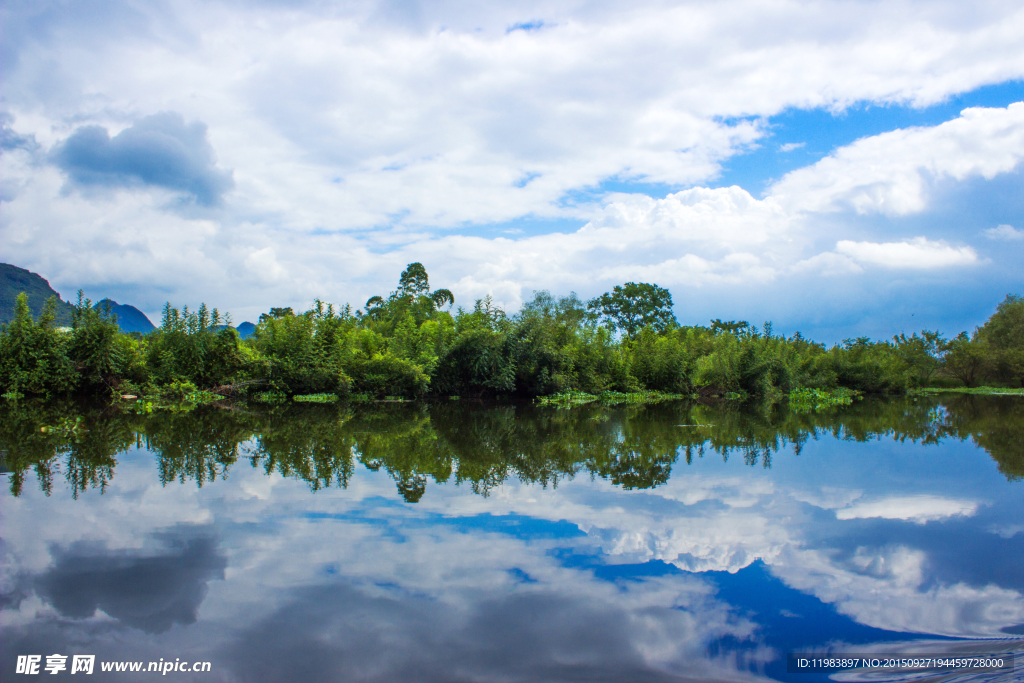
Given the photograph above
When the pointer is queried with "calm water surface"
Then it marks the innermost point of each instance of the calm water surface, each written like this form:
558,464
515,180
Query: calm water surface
466,542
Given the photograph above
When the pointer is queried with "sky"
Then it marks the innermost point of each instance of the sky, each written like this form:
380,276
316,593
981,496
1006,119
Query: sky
839,168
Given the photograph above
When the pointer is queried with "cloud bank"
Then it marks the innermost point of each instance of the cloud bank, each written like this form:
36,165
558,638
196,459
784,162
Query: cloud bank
363,137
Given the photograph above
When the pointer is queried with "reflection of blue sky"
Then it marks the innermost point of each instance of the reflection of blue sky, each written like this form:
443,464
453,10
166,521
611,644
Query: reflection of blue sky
851,542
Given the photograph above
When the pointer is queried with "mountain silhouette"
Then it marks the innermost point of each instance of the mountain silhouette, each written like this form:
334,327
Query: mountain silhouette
15,280
129,318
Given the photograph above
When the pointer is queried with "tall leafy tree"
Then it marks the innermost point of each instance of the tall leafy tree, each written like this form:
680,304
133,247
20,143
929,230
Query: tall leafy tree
634,306
1004,335
1005,329
966,359
922,354
413,290
414,280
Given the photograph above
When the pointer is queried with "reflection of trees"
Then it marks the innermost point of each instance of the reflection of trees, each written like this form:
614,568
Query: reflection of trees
197,445
630,446
305,443
60,436
400,439
996,423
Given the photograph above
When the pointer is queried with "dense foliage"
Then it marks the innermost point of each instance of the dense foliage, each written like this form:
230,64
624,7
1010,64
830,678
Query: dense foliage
411,344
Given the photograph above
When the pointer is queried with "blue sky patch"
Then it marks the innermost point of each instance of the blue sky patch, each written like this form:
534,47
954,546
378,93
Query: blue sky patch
799,137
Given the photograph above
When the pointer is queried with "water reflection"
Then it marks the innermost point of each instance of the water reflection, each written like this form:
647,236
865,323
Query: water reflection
148,591
634,447
670,542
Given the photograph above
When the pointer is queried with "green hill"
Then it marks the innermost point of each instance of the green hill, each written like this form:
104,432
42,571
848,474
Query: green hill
15,280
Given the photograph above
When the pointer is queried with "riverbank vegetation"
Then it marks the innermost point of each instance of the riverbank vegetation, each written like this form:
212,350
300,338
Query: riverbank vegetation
414,343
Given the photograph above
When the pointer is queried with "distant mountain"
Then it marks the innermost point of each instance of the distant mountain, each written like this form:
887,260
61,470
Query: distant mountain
15,280
245,330
129,318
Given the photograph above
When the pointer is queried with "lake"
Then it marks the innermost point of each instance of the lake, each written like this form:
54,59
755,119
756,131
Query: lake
463,541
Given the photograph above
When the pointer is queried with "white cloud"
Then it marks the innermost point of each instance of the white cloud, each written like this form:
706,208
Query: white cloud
1004,232
916,253
263,263
828,264
790,146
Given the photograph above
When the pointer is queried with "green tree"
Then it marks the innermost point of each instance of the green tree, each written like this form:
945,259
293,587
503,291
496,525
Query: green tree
305,353
277,313
922,354
634,306
194,346
413,297
1005,329
33,355
732,326
414,280
96,346
1004,334
965,359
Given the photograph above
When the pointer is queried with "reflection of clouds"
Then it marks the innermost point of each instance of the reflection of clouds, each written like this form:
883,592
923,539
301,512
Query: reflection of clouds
149,592
696,522
901,564
123,518
919,509
604,633
886,590
925,584
1006,530
719,540
723,523
827,497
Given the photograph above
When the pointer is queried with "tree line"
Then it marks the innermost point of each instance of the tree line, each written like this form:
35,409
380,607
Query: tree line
413,344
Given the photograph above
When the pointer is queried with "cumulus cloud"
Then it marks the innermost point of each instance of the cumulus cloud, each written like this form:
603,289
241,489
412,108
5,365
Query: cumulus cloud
159,150
916,253
1004,232
891,173
438,116
699,237
263,263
